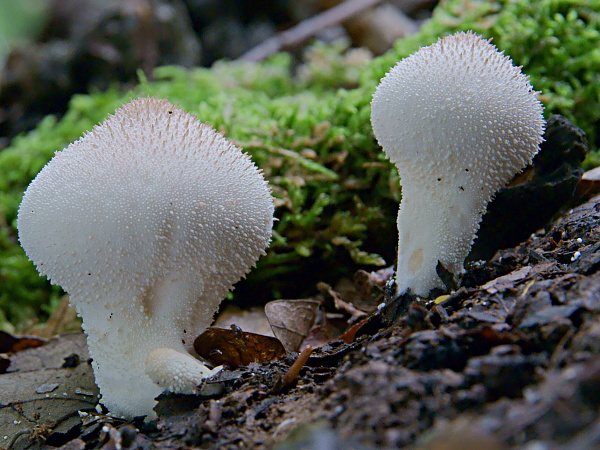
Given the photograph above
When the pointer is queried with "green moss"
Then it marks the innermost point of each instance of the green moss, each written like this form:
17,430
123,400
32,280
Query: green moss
310,132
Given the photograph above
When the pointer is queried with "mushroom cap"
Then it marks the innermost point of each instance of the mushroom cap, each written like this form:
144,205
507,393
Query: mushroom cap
146,221
458,104
150,191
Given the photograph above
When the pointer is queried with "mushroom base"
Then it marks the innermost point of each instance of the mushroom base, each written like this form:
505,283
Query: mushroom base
434,227
120,356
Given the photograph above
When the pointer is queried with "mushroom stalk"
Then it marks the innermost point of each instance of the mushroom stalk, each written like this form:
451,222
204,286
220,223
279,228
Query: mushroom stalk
444,231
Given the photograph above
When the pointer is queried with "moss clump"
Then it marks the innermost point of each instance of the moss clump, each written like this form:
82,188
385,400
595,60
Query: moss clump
310,132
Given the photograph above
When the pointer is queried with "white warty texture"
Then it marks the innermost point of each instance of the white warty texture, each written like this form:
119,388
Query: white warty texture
147,222
459,120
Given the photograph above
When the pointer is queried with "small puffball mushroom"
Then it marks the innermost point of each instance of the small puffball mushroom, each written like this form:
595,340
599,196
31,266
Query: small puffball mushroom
459,121
176,372
147,222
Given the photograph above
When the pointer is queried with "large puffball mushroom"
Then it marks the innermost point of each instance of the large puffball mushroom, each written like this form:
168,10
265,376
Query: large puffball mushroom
147,222
459,120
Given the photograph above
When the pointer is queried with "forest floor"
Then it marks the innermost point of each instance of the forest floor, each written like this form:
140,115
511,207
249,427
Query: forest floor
510,362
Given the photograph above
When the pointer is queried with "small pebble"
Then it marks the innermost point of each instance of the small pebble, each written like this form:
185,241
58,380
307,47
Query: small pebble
45,388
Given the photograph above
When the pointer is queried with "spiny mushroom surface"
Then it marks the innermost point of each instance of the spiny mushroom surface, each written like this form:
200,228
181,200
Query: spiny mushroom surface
459,120
147,222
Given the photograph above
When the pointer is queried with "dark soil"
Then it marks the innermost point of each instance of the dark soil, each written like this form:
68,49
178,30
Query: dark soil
510,362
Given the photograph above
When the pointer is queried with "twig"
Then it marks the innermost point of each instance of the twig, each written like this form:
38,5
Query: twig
306,29
294,369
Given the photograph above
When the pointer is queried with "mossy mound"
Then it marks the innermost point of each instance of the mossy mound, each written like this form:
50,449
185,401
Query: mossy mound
308,128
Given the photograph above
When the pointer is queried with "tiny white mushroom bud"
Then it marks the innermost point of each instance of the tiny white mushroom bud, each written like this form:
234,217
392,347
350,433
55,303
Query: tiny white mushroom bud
176,372
459,120
147,222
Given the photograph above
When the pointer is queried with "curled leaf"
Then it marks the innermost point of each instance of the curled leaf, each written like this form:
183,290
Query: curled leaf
235,347
291,320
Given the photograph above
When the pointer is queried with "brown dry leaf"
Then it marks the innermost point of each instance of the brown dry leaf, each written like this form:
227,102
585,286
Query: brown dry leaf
350,334
63,351
63,319
291,320
365,298
235,347
341,305
589,184
252,320
13,344
370,287
41,391
320,334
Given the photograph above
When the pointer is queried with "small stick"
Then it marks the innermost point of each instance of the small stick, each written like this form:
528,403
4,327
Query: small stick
294,370
306,29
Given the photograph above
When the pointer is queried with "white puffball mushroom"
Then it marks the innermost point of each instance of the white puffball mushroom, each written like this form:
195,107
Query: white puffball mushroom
147,221
459,120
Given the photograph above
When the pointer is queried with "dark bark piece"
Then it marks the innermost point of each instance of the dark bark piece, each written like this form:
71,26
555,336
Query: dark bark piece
537,194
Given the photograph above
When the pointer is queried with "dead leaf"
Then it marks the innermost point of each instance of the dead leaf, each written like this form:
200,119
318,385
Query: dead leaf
350,334
63,319
291,320
342,305
589,184
57,353
363,291
320,334
252,320
13,344
43,393
235,347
